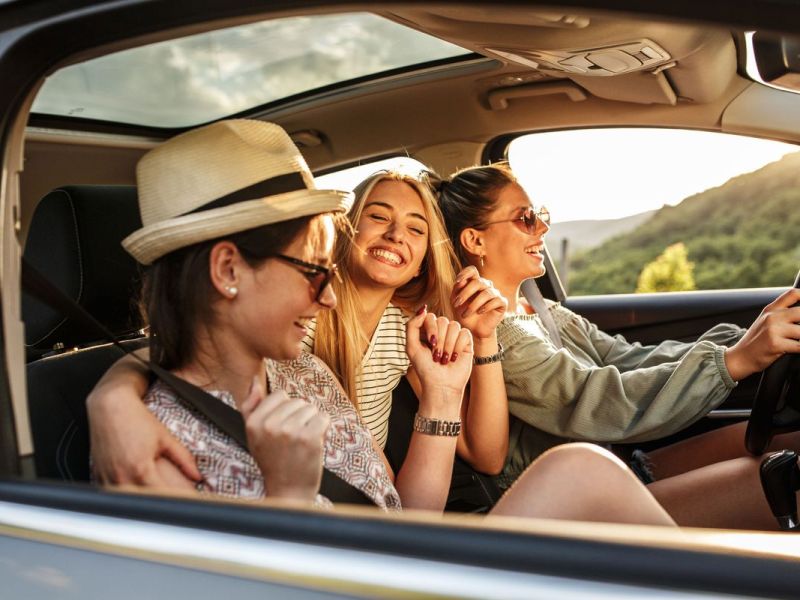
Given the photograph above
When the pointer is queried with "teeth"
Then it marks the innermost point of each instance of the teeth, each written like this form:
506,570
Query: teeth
303,321
390,256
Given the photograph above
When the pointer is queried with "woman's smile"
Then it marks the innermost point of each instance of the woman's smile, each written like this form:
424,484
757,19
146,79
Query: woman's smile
387,256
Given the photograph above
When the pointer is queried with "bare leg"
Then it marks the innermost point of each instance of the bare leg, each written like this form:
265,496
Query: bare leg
581,482
725,495
725,443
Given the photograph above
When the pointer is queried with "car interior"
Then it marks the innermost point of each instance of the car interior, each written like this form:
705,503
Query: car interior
515,70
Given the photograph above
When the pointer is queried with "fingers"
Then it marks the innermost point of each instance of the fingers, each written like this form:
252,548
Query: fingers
414,330
448,333
178,455
467,289
465,275
478,303
786,299
464,344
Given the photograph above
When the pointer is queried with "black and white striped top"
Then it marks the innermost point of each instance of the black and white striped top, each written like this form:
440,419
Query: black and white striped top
384,363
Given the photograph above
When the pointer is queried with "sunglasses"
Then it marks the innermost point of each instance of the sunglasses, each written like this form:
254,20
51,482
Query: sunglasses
528,221
318,276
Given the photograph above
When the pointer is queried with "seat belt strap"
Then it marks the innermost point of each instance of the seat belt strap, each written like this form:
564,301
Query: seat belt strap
534,297
226,418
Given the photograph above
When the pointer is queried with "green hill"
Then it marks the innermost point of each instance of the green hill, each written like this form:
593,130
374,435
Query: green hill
744,233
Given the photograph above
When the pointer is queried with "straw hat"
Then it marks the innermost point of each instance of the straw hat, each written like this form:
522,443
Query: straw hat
221,179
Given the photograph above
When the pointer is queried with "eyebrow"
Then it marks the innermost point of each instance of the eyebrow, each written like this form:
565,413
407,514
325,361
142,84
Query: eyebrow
390,207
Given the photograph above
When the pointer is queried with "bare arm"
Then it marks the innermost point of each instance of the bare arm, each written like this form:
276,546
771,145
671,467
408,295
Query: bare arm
126,439
479,307
424,479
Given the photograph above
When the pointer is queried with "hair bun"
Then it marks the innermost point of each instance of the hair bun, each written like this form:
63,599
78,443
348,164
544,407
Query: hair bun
434,181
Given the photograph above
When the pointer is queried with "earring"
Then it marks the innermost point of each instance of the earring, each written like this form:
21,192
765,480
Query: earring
481,259
232,290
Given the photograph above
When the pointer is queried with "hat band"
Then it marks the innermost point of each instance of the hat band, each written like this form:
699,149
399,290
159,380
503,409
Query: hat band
282,184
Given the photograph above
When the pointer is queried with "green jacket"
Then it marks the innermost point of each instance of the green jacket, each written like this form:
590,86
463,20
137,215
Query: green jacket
600,388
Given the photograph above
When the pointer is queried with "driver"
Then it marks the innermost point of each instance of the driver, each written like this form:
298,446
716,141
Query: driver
575,382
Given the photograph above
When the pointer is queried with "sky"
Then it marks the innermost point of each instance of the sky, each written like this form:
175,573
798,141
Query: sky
640,169
612,173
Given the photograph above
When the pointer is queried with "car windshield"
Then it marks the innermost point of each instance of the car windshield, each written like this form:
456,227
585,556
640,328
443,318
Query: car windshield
200,78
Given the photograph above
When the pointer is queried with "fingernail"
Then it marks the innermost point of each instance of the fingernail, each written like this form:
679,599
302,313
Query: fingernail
436,356
445,358
422,309
481,310
459,301
454,357
433,341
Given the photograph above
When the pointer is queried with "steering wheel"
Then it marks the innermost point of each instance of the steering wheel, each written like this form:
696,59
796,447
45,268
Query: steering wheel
776,408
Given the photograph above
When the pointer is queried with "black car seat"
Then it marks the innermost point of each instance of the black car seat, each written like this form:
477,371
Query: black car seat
470,491
74,241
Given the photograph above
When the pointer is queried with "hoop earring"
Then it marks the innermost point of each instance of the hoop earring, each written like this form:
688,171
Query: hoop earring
232,290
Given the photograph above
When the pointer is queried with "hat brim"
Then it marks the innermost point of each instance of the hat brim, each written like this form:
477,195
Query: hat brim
154,241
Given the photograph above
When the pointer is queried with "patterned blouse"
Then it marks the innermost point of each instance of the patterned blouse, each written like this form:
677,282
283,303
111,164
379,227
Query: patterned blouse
229,470
602,388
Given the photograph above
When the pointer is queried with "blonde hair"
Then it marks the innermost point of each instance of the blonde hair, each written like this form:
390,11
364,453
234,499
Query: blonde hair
339,334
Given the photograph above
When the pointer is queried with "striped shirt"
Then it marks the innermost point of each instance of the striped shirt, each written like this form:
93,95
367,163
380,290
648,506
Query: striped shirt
385,362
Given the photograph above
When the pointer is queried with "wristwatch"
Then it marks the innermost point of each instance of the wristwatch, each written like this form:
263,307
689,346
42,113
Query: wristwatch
436,426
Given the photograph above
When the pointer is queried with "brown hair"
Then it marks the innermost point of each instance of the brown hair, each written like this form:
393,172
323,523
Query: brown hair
177,293
467,197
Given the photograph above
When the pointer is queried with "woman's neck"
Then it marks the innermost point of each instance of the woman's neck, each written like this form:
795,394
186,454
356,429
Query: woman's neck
373,304
220,365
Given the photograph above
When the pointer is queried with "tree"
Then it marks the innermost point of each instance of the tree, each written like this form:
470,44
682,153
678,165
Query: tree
670,272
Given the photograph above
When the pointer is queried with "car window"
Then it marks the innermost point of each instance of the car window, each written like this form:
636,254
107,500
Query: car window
651,210
347,179
207,76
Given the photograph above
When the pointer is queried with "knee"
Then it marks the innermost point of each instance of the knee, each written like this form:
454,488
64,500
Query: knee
580,458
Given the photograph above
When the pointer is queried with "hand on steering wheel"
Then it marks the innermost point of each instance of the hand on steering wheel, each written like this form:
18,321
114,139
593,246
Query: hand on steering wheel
773,411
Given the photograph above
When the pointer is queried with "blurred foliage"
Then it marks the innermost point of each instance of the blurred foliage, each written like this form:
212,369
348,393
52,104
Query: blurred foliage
744,233
670,272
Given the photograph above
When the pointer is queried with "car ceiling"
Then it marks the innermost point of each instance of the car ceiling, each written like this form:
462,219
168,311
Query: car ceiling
446,115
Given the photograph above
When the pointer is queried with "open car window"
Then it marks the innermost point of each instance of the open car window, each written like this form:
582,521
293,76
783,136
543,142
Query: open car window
203,77
656,210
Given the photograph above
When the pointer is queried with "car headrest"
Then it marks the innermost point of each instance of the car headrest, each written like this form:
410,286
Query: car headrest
74,241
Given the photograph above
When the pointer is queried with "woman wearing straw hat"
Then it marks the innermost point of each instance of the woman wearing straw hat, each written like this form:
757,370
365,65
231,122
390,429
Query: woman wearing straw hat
229,210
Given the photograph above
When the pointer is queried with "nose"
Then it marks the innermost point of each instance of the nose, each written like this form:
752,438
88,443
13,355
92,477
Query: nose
327,299
394,232
541,227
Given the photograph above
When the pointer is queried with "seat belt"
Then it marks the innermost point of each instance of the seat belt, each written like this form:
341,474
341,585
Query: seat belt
534,297
226,418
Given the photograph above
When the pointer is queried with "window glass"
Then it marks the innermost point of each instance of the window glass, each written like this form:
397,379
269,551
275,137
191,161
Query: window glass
203,77
644,210
347,179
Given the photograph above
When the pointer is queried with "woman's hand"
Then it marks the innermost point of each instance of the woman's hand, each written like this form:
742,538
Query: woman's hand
477,304
127,441
441,352
774,333
287,440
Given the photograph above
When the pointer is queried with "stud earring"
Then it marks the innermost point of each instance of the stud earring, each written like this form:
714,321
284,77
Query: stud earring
232,290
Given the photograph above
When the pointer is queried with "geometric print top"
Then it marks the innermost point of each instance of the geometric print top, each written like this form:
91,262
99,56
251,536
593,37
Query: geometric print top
229,470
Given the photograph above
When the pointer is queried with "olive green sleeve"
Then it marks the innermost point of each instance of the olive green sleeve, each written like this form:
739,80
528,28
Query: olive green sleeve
556,392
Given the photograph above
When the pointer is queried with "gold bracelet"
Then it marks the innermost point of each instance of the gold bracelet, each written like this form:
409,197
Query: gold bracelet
436,426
